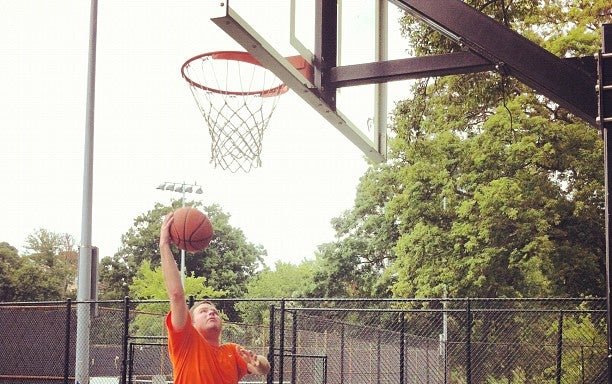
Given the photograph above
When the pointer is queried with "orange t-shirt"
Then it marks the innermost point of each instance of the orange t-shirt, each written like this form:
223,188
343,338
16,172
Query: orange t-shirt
196,361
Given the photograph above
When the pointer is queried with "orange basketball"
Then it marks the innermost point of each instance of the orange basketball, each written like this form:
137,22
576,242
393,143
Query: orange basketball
191,229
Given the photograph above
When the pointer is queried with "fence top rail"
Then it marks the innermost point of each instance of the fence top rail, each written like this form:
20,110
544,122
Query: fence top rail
319,299
442,310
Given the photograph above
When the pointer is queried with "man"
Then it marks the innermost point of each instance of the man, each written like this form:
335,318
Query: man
194,337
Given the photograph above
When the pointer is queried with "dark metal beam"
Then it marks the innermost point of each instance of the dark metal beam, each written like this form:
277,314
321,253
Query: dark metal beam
326,43
410,68
546,73
604,85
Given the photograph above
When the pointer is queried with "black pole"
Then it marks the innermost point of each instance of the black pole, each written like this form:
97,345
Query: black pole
325,370
582,363
294,347
271,346
281,356
67,343
559,348
378,357
468,346
126,332
604,63
342,353
445,339
402,356
131,364
428,345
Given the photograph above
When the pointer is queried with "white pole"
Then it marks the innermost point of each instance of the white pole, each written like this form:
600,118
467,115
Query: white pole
170,186
81,370
183,269
380,90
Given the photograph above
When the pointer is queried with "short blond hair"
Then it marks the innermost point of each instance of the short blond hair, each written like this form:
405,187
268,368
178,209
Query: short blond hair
197,304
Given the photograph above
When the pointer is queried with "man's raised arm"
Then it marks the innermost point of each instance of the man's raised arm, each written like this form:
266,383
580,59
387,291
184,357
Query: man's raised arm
179,312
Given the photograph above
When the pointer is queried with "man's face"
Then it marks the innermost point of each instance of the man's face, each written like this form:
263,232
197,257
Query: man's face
206,317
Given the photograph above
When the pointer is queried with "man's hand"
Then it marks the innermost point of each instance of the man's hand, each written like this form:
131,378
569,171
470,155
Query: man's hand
164,233
256,364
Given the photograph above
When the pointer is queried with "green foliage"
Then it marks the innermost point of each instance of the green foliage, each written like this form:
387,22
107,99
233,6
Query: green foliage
285,281
228,263
490,189
518,377
47,272
582,341
9,263
149,284
56,257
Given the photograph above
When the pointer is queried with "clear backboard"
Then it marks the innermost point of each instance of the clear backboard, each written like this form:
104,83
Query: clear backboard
350,33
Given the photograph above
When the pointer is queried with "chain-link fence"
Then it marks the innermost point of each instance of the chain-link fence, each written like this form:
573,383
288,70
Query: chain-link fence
488,341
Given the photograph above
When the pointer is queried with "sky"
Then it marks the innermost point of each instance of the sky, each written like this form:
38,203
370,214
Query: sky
148,130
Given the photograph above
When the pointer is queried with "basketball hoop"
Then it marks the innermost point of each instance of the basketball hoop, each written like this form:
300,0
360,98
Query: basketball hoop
237,96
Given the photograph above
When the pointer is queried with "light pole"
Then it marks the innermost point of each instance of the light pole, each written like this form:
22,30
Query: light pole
182,188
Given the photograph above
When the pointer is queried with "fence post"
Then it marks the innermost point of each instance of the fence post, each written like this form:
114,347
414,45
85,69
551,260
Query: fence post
342,353
582,363
427,346
294,347
468,369
402,347
131,365
378,357
281,357
67,343
126,332
271,346
559,347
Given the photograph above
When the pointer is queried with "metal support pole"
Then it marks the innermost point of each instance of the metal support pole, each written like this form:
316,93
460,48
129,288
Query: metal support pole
85,250
67,343
271,346
126,336
131,364
604,87
468,346
342,353
378,356
402,354
183,268
559,371
182,188
281,355
582,364
294,347
427,368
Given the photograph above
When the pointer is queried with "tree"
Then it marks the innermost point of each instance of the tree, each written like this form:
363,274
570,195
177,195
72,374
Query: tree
114,278
149,285
48,269
227,263
285,281
489,190
354,263
9,263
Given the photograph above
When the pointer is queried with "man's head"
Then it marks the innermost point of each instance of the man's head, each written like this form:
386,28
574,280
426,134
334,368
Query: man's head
206,319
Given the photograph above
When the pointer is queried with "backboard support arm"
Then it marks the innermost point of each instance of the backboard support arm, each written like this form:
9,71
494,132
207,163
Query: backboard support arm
563,83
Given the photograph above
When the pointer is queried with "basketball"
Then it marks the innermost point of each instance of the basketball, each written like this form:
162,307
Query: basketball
191,229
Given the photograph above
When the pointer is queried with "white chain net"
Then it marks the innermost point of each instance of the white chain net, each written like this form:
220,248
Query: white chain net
236,122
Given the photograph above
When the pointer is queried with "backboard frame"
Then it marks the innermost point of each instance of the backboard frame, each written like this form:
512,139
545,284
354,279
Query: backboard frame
319,97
